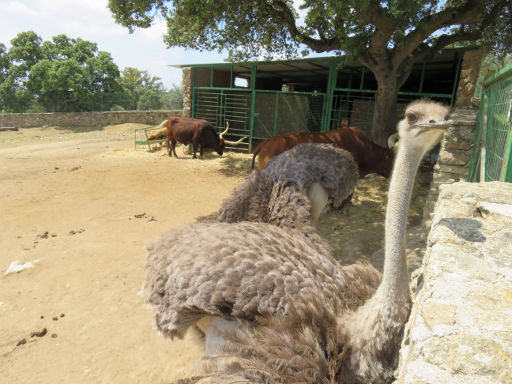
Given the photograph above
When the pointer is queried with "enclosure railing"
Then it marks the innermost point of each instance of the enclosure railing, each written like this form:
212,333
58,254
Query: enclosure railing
491,160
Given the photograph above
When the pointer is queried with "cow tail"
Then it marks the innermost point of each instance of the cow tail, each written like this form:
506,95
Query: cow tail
255,153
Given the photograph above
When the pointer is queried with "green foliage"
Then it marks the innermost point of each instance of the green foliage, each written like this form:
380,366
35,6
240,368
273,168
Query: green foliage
173,99
136,82
149,101
116,108
4,63
250,29
67,74
386,36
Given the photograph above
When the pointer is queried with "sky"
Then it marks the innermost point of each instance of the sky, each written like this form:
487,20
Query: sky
91,20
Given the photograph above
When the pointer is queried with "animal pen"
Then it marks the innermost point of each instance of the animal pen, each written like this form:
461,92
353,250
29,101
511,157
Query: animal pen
491,160
264,99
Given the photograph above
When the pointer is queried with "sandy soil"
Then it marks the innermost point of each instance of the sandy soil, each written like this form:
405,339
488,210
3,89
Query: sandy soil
81,205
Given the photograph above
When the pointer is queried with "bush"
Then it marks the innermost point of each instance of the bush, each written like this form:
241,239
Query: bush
116,107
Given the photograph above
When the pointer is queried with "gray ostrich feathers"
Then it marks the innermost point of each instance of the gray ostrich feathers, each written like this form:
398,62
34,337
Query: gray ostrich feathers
245,271
280,308
301,167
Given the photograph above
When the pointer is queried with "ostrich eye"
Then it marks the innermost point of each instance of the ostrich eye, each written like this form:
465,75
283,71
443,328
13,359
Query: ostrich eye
411,117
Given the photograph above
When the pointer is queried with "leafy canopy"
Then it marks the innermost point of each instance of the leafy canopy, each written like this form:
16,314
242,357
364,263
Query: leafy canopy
387,36
270,28
66,74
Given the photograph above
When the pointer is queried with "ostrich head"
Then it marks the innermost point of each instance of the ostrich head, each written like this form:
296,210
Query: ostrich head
423,125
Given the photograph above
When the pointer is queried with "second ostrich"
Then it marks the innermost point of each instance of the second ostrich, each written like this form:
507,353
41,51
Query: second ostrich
281,309
322,172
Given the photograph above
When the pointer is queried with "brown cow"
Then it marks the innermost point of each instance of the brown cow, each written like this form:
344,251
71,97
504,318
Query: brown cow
197,132
370,157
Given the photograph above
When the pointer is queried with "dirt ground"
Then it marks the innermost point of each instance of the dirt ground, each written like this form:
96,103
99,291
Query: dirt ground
81,204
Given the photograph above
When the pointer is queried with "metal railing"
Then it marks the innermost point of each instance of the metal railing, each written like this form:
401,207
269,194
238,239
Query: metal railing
491,160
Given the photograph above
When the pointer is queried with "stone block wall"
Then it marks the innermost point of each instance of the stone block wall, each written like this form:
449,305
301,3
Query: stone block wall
460,327
186,81
84,119
454,155
470,69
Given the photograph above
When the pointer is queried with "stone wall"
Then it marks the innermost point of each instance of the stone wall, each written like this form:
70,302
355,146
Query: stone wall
469,71
461,323
454,155
186,82
84,119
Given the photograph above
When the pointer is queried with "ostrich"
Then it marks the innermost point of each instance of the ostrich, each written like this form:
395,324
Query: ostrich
322,172
280,308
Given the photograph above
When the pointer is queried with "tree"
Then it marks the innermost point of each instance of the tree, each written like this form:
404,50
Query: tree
173,99
387,37
25,51
150,100
136,83
63,74
4,63
4,72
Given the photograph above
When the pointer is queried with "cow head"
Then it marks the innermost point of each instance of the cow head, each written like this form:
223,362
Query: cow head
385,164
223,141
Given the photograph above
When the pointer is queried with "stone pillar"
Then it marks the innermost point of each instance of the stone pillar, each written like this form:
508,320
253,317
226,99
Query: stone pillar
187,91
469,72
454,155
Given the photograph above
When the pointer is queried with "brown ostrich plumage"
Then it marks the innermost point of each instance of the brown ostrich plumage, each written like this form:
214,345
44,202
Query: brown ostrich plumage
298,315
301,166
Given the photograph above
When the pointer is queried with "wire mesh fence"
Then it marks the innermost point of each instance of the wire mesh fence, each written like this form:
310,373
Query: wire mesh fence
491,160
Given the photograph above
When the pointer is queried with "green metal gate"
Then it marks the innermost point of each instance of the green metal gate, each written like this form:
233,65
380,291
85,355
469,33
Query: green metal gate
491,160
219,105
273,112
277,112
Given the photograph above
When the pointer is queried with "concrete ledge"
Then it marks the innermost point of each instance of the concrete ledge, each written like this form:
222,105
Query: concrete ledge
460,330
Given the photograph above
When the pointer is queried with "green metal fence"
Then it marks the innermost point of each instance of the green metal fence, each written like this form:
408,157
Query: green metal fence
274,112
221,105
491,160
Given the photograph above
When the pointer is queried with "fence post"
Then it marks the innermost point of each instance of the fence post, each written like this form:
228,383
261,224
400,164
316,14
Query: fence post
482,136
507,161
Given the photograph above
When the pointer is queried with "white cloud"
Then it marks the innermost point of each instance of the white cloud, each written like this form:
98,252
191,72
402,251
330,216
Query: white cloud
91,20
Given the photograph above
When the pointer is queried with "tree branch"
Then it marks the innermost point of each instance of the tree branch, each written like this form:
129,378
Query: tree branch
384,24
319,45
471,12
424,52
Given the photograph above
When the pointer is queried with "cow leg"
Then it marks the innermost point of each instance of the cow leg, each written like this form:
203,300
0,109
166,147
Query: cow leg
195,150
201,150
173,147
168,148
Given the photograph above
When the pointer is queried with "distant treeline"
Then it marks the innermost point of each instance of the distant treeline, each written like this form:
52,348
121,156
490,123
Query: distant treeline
71,75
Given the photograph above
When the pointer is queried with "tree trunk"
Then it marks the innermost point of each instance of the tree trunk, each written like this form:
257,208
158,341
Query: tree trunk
385,110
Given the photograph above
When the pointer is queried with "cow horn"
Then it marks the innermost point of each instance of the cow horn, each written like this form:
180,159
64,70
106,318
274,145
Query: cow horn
392,140
235,142
221,136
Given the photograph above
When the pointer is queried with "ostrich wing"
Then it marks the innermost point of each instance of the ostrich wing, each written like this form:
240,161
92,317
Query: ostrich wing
245,271
334,168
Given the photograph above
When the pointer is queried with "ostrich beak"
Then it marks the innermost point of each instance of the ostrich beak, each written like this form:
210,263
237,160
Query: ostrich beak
433,124
440,124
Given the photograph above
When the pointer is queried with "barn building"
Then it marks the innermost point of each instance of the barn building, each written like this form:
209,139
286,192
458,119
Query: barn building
262,99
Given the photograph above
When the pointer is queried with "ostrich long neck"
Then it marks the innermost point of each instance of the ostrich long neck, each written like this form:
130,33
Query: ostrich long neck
395,278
